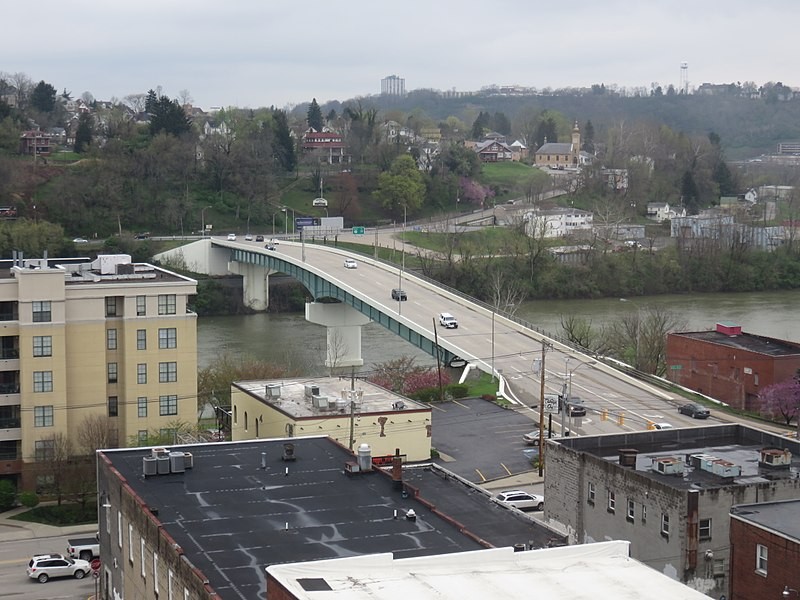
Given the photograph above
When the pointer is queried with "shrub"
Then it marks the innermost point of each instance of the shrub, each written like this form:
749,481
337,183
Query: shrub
489,397
29,499
458,390
7,494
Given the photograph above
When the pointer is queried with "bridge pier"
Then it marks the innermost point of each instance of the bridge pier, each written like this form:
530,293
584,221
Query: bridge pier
255,283
344,332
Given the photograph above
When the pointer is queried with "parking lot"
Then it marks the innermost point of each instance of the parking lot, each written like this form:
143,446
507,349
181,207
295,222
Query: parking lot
479,440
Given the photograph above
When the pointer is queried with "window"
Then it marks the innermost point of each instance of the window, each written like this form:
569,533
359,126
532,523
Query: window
141,373
166,304
43,416
612,501
113,406
155,573
111,339
141,550
44,450
142,435
112,373
141,406
42,345
705,529
119,529
644,514
42,381
141,339
168,338
664,524
762,554
170,578
167,405
141,306
167,372
130,543
631,510
592,493
111,306
41,311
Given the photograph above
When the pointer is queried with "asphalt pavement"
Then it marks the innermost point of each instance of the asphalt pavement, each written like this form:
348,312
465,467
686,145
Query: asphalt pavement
13,530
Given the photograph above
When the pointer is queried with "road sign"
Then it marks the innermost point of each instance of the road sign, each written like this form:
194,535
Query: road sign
95,564
300,222
550,403
358,231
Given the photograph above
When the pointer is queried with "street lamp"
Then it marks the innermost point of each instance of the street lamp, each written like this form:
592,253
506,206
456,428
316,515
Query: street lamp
567,390
203,221
286,220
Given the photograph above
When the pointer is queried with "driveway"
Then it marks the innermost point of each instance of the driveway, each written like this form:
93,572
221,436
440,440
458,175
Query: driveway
479,440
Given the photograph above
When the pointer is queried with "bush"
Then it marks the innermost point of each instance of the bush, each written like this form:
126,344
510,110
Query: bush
489,397
7,494
426,395
29,499
457,390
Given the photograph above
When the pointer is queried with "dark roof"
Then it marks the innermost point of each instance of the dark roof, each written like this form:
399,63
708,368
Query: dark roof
232,518
782,518
555,148
746,341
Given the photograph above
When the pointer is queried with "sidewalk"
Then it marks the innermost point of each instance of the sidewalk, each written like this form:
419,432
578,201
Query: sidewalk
12,530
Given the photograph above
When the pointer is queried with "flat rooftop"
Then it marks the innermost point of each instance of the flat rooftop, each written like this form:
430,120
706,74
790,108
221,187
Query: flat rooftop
746,341
293,400
232,518
735,444
782,518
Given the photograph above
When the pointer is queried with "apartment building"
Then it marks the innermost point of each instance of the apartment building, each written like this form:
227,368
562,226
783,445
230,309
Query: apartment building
109,340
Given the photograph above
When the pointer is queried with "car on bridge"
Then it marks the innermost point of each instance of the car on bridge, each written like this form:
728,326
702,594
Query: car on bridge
399,295
448,321
231,237
349,263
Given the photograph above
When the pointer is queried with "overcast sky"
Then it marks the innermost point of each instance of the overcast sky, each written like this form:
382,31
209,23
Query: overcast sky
262,52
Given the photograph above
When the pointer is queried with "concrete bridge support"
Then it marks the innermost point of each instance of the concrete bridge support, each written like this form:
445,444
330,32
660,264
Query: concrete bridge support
255,283
344,332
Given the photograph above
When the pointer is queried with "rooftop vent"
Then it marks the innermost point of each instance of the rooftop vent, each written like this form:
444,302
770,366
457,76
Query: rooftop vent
398,405
311,390
273,390
712,464
774,458
627,457
288,452
668,465
320,402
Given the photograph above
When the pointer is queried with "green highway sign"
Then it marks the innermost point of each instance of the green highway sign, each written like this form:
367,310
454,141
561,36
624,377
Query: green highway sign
676,367
358,231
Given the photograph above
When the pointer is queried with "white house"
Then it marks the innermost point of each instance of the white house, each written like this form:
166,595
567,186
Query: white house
661,211
557,222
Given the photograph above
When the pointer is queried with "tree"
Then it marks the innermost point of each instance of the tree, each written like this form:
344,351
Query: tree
43,97
283,145
314,116
501,123
460,160
214,381
401,189
781,400
402,376
94,433
639,338
167,116
587,138
83,135
480,125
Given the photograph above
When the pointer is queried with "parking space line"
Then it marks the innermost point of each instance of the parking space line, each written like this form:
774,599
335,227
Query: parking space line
462,405
480,475
506,468
432,405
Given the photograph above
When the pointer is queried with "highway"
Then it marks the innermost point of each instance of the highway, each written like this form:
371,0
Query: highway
615,402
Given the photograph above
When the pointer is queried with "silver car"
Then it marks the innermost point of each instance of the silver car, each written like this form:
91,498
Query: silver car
43,567
521,500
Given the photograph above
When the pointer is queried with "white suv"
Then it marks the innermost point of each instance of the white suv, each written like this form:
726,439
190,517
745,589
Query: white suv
46,566
448,321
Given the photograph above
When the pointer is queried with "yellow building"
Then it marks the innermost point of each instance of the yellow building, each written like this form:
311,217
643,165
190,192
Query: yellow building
108,341
328,406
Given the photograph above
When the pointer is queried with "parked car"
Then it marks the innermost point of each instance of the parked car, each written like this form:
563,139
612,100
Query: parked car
448,321
80,240
696,411
532,438
349,263
259,238
521,500
662,425
231,237
43,567
398,294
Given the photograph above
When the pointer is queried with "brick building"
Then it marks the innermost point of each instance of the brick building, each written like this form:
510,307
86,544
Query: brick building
765,550
730,365
668,492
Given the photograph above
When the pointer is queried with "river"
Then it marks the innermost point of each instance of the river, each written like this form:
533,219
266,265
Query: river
290,339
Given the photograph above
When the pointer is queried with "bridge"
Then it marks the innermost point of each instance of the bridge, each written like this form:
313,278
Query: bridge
345,299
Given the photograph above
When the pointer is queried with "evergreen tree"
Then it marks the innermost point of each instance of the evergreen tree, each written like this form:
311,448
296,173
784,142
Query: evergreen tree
43,97
501,123
314,116
689,193
283,148
480,125
150,101
83,135
588,137
167,115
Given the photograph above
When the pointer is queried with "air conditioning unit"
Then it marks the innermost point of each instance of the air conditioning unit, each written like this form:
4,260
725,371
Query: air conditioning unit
311,390
273,390
320,402
398,405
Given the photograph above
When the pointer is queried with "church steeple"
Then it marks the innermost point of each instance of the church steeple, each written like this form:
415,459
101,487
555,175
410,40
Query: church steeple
576,142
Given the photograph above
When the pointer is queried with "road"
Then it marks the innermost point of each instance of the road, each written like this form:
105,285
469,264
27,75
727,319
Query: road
495,343
15,583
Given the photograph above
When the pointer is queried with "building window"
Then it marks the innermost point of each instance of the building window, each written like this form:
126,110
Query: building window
41,311
111,339
612,501
42,345
168,338
167,405
755,379
119,529
42,381
141,373
111,306
141,406
141,551
167,372
141,306
155,573
705,529
130,543
592,494
44,450
631,510
43,416
166,304
170,578
644,514
235,415
112,373
143,437
141,339
113,406
664,524
761,559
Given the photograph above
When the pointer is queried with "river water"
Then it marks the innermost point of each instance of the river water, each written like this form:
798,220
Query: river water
290,339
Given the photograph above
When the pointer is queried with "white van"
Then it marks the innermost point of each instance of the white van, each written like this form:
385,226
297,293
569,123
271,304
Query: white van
448,321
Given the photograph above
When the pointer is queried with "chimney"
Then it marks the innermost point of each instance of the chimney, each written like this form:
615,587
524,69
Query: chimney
397,470
627,457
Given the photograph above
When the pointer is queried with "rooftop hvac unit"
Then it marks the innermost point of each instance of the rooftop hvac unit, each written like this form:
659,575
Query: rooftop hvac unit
668,465
311,390
163,465
176,462
274,390
188,460
149,466
156,452
398,405
341,405
320,402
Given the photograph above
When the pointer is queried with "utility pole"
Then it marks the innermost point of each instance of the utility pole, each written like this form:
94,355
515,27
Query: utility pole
541,410
438,359
352,421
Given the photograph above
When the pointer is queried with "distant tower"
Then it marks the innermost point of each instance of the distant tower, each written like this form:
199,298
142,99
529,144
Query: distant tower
684,89
393,86
576,143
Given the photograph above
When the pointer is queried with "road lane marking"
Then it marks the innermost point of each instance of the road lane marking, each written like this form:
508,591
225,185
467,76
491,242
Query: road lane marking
480,475
460,404
506,468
